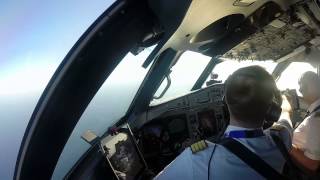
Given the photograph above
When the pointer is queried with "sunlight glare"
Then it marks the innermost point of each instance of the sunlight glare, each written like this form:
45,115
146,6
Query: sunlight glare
26,80
290,76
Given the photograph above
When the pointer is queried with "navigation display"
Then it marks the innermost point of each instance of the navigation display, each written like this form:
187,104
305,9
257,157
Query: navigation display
207,123
123,155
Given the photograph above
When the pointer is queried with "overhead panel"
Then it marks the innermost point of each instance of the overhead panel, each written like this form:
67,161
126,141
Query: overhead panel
274,41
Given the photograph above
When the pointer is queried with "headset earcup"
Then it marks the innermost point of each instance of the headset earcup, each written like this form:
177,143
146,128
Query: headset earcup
273,114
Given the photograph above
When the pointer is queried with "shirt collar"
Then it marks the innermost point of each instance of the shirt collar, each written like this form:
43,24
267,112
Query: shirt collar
314,105
237,128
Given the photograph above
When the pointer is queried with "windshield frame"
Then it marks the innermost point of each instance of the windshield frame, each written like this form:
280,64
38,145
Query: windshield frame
206,72
181,65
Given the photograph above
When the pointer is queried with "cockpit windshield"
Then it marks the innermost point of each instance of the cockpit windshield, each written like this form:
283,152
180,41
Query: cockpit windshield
189,67
183,76
224,69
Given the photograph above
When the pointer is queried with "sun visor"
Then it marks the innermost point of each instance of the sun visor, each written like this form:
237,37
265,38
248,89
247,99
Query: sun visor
238,33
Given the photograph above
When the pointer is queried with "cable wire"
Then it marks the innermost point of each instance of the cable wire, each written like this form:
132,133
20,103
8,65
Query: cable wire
209,164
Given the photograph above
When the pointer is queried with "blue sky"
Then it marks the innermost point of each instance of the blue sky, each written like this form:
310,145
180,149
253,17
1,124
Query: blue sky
35,36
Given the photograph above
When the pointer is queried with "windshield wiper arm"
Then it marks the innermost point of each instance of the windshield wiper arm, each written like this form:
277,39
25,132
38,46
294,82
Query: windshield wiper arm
205,73
165,89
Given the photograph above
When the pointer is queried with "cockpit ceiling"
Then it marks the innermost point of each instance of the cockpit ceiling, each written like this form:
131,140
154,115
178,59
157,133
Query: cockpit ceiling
203,13
263,30
274,41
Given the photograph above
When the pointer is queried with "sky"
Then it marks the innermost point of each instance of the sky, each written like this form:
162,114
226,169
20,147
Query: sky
35,36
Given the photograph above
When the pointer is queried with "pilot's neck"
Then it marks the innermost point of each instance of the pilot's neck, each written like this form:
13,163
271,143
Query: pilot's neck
237,123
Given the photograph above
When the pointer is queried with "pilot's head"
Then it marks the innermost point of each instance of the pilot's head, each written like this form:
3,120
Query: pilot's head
309,84
249,94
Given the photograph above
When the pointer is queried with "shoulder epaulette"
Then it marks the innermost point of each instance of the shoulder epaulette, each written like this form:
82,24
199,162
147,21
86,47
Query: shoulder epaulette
198,146
277,127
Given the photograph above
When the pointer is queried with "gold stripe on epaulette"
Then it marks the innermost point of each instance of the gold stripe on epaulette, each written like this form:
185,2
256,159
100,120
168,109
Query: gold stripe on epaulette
198,146
277,127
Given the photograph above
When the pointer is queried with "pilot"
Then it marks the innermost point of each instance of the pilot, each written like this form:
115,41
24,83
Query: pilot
306,138
249,92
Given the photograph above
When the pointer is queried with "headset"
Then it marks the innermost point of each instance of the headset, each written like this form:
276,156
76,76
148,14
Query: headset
273,113
274,110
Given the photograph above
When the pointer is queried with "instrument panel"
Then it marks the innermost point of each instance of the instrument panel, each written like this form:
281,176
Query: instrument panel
167,129
204,111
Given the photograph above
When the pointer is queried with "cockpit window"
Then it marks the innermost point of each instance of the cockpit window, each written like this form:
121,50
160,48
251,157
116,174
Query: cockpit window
189,67
290,76
109,104
224,69
183,76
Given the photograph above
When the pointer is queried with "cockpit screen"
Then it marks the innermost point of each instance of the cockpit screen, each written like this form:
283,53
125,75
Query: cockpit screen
207,123
123,155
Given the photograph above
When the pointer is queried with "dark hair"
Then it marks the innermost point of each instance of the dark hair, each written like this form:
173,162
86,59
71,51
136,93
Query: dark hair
249,93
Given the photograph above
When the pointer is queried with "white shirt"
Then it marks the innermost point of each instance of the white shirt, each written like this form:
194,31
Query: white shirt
224,164
307,134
